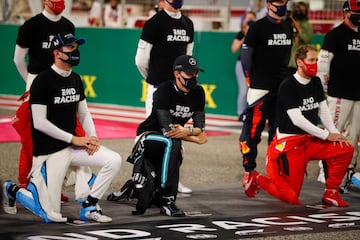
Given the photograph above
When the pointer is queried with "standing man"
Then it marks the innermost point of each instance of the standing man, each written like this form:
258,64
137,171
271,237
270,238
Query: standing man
165,36
33,42
338,68
298,140
265,56
56,99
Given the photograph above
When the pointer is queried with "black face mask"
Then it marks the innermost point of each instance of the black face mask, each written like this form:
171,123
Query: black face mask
190,83
355,19
73,57
280,10
298,14
176,3
249,23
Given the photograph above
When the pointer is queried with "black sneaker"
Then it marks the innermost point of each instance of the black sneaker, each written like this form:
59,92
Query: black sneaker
172,210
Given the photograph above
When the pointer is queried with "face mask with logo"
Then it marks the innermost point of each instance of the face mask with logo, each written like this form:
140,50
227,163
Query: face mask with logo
355,19
190,83
310,69
280,10
73,57
176,3
57,6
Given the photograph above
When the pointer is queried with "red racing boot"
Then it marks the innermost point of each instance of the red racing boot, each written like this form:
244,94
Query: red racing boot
251,187
331,197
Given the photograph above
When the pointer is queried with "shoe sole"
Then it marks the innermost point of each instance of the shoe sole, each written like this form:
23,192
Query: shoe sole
331,202
168,213
86,216
164,212
186,192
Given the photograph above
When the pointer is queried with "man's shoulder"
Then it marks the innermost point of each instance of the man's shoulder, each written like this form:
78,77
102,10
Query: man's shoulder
260,25
40,19
158,17
288,82
261,21
47,72
186,18
336,29
43,79
75,74
34,20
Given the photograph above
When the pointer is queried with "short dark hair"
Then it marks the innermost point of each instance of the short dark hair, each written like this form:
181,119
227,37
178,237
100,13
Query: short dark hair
303,50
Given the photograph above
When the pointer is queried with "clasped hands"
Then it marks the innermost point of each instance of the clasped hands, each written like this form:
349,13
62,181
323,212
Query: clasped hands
91,144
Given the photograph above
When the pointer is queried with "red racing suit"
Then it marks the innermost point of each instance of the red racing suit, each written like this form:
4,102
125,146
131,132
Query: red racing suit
288,157
22,124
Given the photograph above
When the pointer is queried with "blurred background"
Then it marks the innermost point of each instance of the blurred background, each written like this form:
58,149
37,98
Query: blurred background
208,15
108,70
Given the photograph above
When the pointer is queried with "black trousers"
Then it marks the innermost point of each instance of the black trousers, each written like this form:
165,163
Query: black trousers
256,116
165,155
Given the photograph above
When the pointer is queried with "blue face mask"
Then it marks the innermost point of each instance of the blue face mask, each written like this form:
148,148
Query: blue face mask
280,10
176,3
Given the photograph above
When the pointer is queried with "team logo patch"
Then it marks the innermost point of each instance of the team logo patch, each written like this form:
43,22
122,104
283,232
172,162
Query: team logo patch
280,146
192,61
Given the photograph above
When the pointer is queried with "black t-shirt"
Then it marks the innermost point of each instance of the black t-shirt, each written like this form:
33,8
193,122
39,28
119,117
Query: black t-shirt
307,98
179,108
169,38
344,81
61,95
272,50
36,34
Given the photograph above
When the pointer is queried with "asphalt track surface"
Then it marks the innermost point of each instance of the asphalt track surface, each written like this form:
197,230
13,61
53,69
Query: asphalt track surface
217,208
